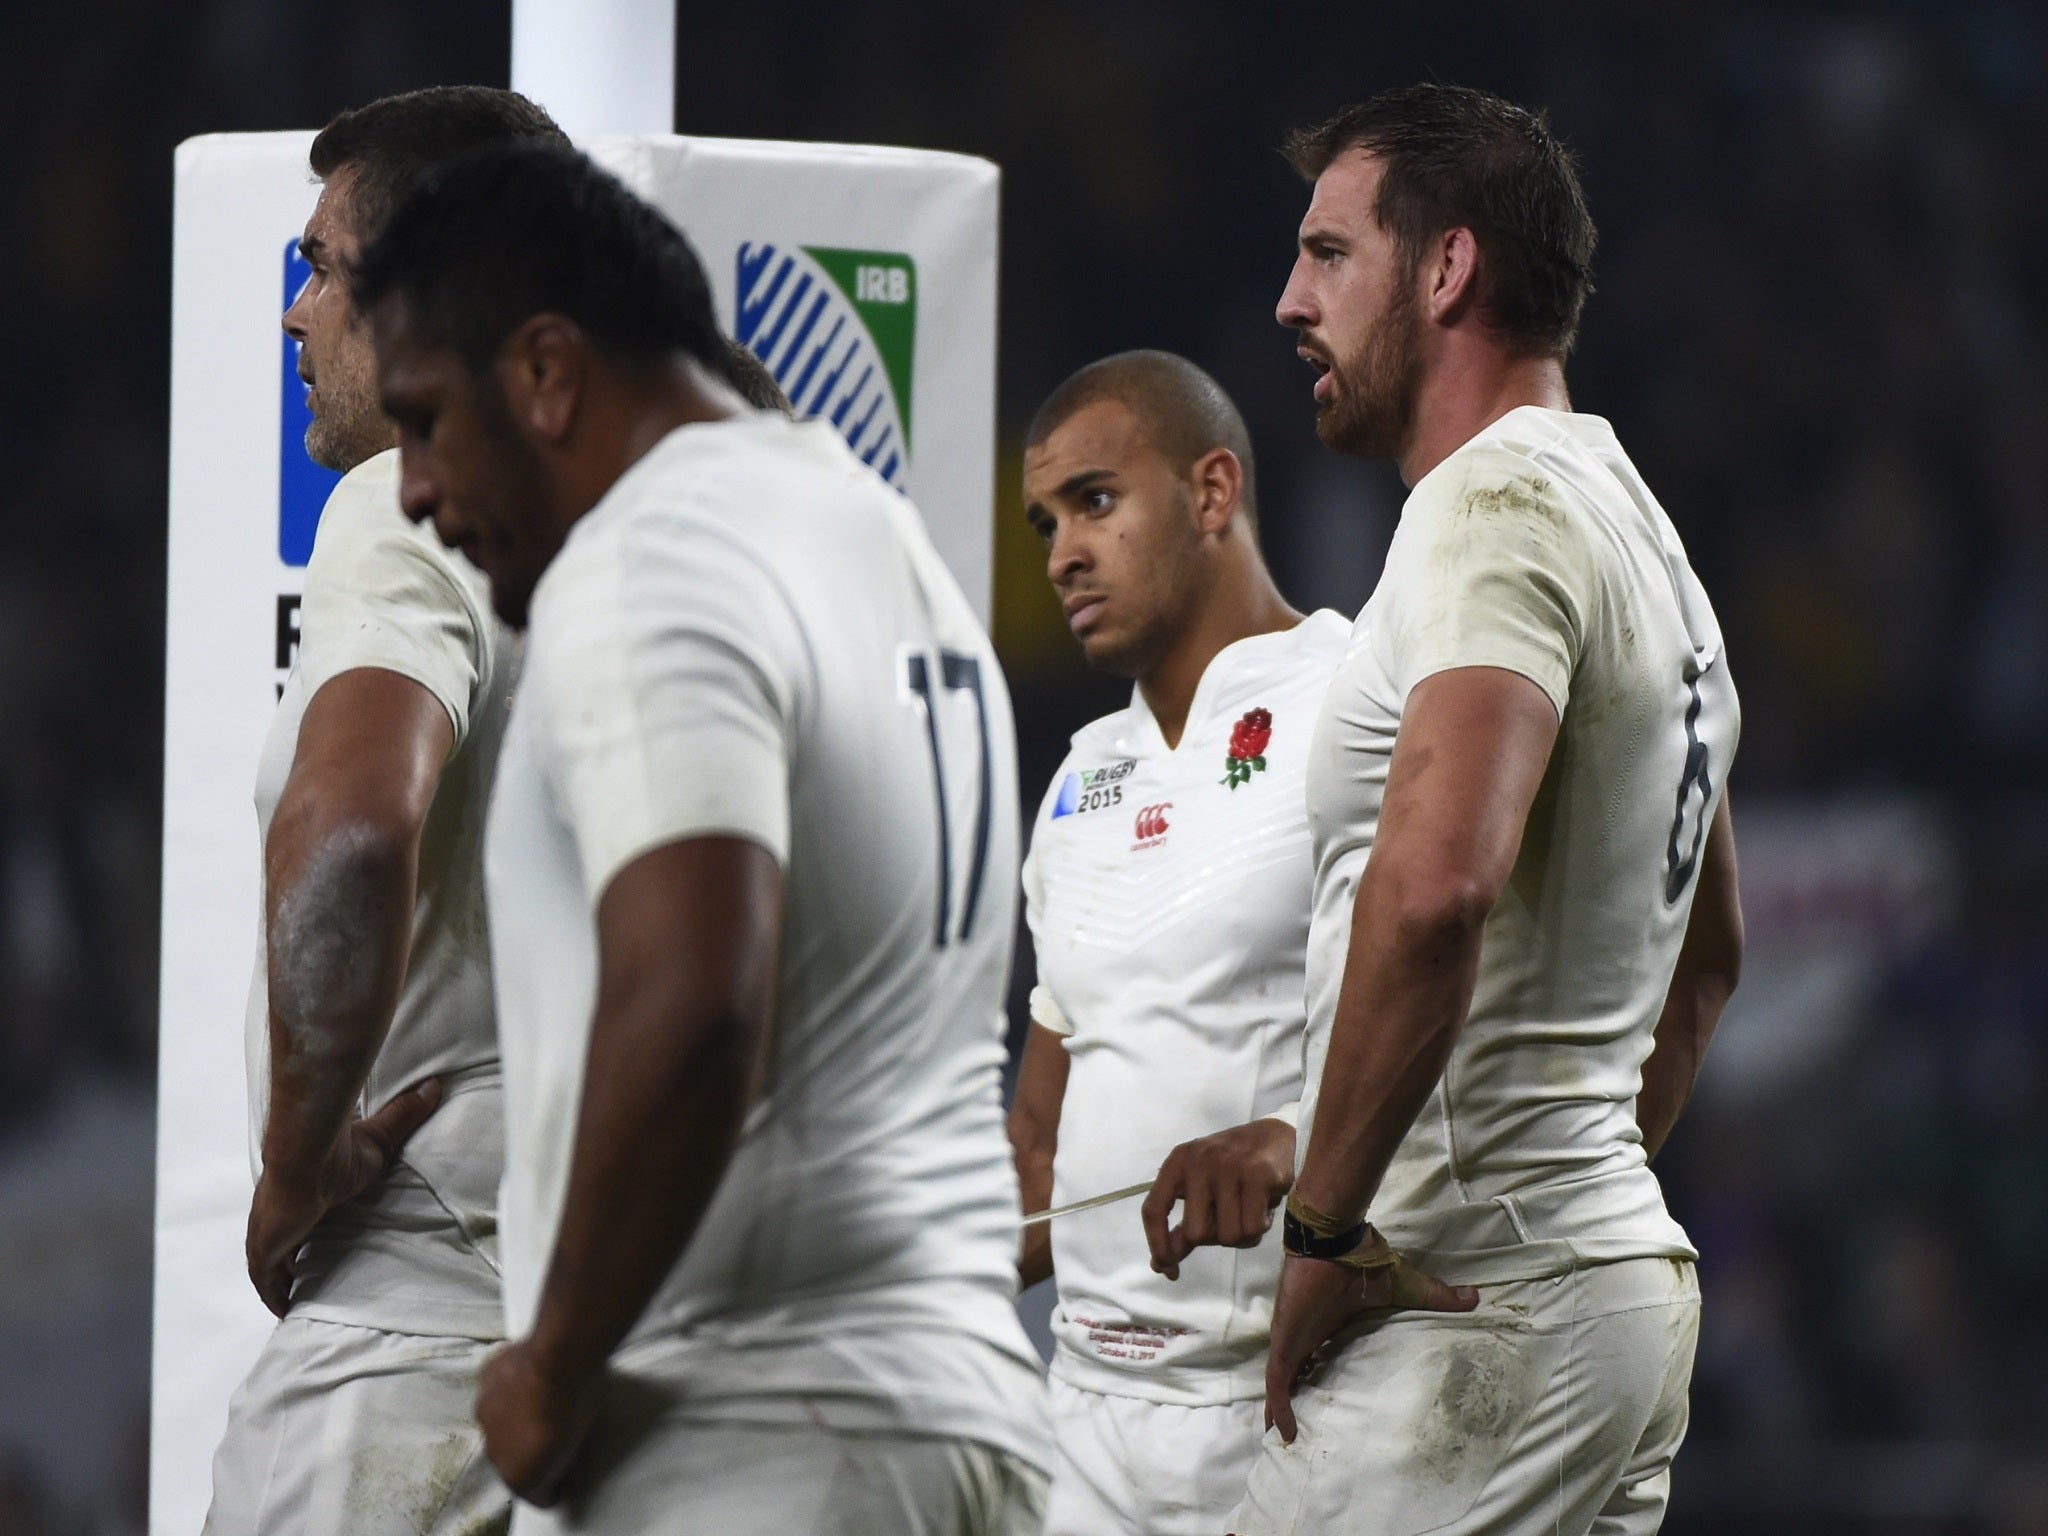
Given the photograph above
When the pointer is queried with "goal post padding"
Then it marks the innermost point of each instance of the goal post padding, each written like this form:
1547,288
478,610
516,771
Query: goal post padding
865,277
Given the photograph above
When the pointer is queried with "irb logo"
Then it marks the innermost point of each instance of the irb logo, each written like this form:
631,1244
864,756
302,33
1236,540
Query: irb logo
882,285
838,329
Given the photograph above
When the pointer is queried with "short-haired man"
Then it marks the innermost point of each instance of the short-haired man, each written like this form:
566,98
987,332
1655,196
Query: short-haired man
1168,892
372,995
750,865
1508,998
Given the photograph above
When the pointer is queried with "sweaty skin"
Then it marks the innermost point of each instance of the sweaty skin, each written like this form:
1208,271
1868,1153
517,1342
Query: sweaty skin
324,944
340,866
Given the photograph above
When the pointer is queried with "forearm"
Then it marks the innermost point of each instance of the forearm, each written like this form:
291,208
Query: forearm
1035,1112
339,931
1709,964
1691,1011
665,1096
1034,1181
1406,991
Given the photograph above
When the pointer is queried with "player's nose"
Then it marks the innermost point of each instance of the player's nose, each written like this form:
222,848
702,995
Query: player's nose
418,495
1297,309
1068,555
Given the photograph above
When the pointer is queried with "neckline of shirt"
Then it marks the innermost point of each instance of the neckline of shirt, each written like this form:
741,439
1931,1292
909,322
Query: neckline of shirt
1198,707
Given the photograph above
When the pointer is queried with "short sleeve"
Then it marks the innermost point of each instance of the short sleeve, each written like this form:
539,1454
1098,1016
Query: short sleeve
1492,568
671,679
382,593
1044,1007
1046,1011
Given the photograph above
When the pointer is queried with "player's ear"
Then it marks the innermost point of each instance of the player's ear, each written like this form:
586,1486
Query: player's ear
1450,274
1218,480
541,368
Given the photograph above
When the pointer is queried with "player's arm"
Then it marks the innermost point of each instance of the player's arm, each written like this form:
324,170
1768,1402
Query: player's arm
1034,1138
1708,966
687,942
1473,746
340,865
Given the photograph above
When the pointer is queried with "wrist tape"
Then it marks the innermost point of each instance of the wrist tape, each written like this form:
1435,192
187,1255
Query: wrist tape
1307,1233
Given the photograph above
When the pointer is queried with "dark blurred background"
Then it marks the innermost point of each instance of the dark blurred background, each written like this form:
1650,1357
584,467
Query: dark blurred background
1820,328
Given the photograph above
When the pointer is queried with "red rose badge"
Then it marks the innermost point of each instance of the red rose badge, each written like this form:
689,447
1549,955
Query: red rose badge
1248,740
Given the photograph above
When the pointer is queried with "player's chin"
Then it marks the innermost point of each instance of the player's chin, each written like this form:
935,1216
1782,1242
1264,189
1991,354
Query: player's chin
1107,651
1352,433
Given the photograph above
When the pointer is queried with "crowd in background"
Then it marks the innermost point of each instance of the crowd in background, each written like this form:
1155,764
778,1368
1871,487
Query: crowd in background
1820,327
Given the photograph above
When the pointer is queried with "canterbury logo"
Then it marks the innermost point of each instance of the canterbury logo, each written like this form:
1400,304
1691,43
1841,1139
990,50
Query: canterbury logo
1152,821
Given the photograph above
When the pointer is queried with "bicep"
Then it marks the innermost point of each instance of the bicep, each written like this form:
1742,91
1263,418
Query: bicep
696,926
1041,1090
1471,752
371,748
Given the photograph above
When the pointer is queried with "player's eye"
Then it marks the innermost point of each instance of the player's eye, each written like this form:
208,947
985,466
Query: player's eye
1097,500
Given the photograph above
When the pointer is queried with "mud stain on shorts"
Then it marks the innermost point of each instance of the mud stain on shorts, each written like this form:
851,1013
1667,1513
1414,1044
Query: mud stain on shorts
1484,1398
412,1482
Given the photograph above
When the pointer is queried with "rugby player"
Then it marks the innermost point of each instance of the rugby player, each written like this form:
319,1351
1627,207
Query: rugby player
1167,890
372,997
1508,998
751,867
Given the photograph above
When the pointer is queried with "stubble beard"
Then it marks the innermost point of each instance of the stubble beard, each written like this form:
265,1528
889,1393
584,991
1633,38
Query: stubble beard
1374,404
348,427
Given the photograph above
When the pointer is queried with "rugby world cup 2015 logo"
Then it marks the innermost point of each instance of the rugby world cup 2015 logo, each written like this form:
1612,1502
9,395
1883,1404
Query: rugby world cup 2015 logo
838,329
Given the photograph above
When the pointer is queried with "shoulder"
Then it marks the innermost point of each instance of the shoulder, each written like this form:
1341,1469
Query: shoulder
1316,646
1488,482
365,541
1096,750
1496,505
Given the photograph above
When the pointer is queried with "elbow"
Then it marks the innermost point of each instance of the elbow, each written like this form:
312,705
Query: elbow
1724,963
357,843
1032,1142
1444,912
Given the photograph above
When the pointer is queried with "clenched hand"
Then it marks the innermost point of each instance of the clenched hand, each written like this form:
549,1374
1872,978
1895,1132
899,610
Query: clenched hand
1227,1184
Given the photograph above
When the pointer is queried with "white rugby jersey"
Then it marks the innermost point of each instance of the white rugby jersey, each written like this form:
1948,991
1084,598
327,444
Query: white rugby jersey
1168,892
419,1254
1537,548
751,635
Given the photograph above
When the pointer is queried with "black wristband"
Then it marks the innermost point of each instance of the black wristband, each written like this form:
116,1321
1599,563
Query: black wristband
1298,1240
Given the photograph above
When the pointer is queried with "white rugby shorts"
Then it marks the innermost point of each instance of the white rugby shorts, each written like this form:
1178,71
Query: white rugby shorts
1130,1467
1556,1407
346,1431
670,1477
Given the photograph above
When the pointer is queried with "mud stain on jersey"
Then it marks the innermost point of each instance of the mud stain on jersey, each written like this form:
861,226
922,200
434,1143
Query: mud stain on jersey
1534,497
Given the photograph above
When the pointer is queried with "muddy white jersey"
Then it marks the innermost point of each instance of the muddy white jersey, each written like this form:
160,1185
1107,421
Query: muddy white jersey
418,1254
752,636
1168,892
1537,548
